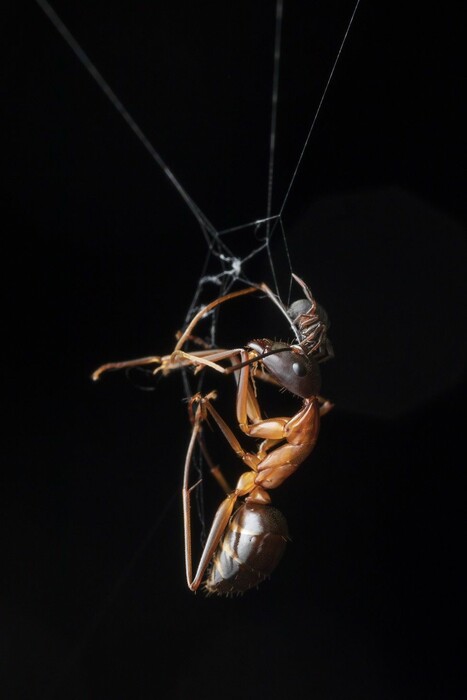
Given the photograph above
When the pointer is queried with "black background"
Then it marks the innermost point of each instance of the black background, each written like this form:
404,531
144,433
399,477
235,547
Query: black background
100,261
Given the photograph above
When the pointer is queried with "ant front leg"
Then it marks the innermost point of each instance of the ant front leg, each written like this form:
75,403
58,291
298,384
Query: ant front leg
325,406
249,415
168,363
140,362
287,441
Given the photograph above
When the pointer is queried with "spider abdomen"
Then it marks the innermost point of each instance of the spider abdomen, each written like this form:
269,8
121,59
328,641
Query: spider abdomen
249,551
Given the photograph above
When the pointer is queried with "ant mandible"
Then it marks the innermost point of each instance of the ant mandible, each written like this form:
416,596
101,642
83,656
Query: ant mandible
248,536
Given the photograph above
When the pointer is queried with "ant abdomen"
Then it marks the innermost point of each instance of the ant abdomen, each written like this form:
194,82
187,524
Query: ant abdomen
251,548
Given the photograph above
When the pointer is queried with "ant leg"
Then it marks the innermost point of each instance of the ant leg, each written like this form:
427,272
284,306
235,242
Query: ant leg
197,318
140,362
221,519
325,406
214,469
250,459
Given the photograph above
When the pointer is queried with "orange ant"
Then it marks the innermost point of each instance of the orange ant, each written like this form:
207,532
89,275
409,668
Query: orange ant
248,536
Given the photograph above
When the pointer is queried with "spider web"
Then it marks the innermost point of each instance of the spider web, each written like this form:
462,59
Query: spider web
225,266
230,252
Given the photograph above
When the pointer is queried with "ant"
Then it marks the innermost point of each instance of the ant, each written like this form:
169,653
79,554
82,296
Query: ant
248,536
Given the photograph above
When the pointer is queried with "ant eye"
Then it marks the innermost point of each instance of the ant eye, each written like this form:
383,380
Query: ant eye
300,369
